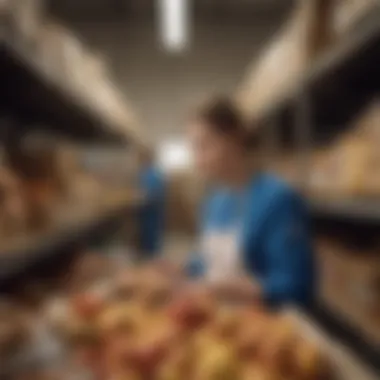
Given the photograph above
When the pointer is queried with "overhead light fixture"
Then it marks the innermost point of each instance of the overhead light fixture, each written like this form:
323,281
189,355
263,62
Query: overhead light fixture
174,24
174,155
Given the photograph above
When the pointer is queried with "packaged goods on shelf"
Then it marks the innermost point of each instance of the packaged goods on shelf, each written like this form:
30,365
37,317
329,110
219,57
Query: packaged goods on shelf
36,163
32,158
304,37
185,192
371,182
339,170
85,188
115,166
48,161
49,185
13,213
75,184
86,269
89,268
24,205
332,267
41,202
368,127
67,166
351,166
350,286
368,123
14,330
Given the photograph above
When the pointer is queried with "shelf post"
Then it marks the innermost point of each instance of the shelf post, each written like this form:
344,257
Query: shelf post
270,146
304,137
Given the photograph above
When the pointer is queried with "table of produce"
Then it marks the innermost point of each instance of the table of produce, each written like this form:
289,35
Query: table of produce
142,324
138,327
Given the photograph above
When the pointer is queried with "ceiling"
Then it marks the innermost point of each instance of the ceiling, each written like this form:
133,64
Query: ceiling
106,9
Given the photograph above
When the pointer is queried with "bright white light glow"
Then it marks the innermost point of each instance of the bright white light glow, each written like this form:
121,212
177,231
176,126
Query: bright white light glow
174,156
174,24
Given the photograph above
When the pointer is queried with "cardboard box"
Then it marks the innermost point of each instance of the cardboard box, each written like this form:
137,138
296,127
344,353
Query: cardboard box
305,36
342,169
368,127
185,193
363,289
350,285
334,275
346,366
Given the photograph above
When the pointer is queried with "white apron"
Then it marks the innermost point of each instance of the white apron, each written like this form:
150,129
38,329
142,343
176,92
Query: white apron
221,255
221,248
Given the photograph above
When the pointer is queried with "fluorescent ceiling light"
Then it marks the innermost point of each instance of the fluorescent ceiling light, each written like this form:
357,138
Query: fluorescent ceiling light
174,155
174,24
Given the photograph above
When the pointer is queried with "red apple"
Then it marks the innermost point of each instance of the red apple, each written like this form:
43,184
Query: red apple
277,352
309,362
227,324
87,356
146,357
118,354
249,342
87,306
92,359
190,313
119,320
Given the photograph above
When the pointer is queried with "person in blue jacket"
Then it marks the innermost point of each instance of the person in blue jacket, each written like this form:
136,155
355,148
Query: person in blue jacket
255,236
151,214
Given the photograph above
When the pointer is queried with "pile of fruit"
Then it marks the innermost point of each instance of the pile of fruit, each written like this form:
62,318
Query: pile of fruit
140,329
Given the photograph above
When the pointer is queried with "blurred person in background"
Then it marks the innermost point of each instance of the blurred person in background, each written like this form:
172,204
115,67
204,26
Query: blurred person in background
151,219
255,240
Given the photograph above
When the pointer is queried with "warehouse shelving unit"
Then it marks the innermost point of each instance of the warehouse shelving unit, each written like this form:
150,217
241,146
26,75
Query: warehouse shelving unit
323,103
31,93
78,226
351,209
36,100
28,92
319,107
337,85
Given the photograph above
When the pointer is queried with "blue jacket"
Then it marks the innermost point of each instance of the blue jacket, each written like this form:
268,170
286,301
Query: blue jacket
152,213
276,244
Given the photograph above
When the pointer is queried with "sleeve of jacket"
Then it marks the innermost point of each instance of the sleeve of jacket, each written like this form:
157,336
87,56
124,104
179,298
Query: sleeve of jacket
153,185
288,249
195,266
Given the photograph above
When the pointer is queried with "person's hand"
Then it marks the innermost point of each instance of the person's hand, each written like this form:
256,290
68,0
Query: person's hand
237,290
192,289
167,267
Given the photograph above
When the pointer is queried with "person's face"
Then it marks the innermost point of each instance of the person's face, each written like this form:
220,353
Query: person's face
213,152
144,158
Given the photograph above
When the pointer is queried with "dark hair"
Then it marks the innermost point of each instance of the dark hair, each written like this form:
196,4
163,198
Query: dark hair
223,116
